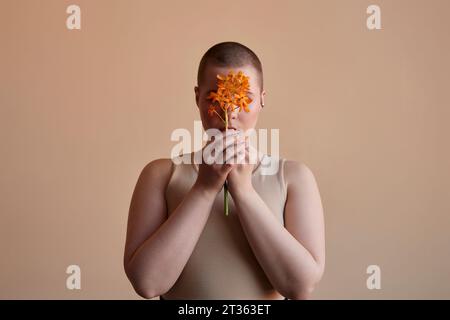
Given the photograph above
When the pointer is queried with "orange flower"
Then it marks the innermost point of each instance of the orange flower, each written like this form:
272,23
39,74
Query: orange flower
231,94
211,110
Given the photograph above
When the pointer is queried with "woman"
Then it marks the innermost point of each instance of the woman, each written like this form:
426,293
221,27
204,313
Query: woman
181,245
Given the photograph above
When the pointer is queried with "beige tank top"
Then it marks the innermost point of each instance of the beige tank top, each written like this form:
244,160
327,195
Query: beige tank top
223,265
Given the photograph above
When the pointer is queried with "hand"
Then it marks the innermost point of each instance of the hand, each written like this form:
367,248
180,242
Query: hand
240,177
214,169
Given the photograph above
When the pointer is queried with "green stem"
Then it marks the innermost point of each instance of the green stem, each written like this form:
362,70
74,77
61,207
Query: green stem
219,115
225,186
225,198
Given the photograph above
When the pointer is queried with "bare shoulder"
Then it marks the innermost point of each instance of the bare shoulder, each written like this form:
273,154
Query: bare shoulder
298,173
158,165
157,171
147,209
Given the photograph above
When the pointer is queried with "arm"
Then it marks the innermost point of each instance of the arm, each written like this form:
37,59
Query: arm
157,248
293,258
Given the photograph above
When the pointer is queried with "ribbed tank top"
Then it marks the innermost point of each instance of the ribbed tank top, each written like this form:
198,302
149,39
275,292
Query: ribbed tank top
223,265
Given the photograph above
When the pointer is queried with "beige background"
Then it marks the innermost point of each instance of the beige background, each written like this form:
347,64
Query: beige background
82,112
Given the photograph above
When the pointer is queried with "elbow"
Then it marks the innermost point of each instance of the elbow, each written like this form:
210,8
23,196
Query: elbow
142,287
298,290
303,290
144,292
300,293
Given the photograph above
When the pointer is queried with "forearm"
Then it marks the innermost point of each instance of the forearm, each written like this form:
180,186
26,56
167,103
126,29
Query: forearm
290,267
157,263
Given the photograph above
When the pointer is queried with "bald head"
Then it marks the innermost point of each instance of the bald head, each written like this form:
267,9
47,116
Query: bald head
231,55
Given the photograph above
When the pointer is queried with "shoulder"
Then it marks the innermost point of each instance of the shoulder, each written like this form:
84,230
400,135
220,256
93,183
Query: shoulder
157,171
298,173
157,165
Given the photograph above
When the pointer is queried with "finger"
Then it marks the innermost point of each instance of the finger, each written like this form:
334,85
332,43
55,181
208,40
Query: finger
246,155
220,151
242,150
223,141
213,150
236,158
252,153
233,152
228,133
221,135
231,140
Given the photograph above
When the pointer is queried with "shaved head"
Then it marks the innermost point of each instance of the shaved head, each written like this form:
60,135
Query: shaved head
231,55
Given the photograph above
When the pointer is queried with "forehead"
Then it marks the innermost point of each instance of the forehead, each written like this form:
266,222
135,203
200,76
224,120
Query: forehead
211,72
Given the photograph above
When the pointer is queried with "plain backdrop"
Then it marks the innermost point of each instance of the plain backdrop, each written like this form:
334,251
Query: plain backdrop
83,111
